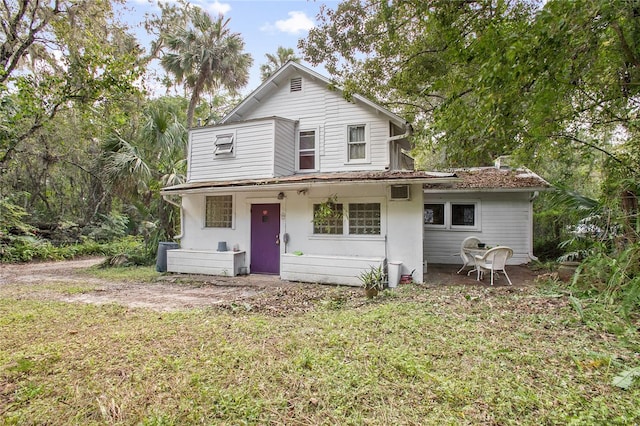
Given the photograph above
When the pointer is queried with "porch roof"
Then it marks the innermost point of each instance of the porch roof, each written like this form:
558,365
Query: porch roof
492,179
306,180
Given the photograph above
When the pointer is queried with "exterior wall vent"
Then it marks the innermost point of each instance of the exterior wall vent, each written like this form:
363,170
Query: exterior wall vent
296,84
400,192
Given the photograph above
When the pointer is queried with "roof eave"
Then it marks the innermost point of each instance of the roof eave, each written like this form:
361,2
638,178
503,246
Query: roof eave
282,186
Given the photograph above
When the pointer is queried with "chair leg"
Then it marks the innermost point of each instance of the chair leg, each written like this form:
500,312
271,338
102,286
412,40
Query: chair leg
505,274
460,270
492,277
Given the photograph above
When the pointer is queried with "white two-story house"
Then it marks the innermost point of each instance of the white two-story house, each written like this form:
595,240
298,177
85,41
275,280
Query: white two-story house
294,146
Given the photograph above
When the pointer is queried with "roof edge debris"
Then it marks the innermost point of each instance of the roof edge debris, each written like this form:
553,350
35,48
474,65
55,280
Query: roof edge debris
317,178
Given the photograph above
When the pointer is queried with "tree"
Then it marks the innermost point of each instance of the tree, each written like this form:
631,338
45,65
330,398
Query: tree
205,56
277,60
55,56
137,166
554,83
485,78
70,72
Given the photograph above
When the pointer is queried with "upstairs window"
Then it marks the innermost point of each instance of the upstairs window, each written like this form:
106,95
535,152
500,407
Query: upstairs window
296,84
224,144
219,211
356,143
307,150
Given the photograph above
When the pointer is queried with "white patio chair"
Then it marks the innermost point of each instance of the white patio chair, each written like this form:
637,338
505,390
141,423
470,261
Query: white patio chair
493,260
469,242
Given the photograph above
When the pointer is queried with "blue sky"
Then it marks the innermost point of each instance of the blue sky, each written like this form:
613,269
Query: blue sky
263,24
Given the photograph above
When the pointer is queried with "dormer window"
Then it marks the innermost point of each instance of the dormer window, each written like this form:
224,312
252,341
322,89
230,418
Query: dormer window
224,144
296,84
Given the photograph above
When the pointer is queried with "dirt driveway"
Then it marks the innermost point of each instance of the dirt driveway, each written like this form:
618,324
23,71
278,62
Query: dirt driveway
68,281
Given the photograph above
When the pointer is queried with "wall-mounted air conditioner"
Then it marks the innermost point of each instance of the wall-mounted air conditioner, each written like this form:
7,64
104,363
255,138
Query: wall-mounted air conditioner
400,192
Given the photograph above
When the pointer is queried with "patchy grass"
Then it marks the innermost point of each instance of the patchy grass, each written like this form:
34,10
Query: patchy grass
42,290
124,273
449,355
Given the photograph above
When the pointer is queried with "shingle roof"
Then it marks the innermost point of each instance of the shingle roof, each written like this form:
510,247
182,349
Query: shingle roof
487,178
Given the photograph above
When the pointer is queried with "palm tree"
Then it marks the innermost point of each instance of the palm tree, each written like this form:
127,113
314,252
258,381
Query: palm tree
153,157
206,57
274,62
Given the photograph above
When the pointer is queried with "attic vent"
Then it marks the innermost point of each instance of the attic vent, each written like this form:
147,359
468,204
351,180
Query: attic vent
400,192
296,84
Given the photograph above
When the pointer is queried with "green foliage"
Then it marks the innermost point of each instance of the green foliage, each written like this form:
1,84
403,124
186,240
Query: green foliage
394,360
203,55
626,378
373,278
12,217
612,279
110,227
539,80
27,248
276,61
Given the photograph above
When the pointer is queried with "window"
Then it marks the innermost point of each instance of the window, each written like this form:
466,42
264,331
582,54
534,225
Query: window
219,211
356,142
328,225
296,84
364,219
224,144
463,214
434,214
452,215
352,219
307,150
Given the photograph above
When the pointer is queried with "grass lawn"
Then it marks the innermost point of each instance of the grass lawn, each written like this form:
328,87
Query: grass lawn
447,355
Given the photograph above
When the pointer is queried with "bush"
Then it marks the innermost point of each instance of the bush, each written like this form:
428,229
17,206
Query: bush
26,248
611,278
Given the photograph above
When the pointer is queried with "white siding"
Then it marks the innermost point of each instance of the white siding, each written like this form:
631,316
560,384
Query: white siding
399,239
343,270
318,107
253,156
505,219
205,262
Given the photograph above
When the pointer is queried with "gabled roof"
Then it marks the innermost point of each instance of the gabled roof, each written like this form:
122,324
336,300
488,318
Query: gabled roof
280,77
492,179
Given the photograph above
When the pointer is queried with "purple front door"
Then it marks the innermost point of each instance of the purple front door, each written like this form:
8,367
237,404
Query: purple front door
265,238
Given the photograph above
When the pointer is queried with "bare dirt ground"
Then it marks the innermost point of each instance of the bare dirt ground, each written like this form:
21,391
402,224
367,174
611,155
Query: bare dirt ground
170,292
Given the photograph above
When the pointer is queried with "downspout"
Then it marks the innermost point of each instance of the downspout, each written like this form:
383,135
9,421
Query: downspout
408,132
179,236
532,197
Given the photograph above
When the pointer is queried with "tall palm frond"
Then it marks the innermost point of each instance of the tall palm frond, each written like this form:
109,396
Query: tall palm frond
277,60
206,57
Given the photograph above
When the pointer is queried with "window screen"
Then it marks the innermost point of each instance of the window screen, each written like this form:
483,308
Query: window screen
434,214
463,214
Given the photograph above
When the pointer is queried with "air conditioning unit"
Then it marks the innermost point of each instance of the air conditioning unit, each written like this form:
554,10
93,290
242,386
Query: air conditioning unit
400,192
